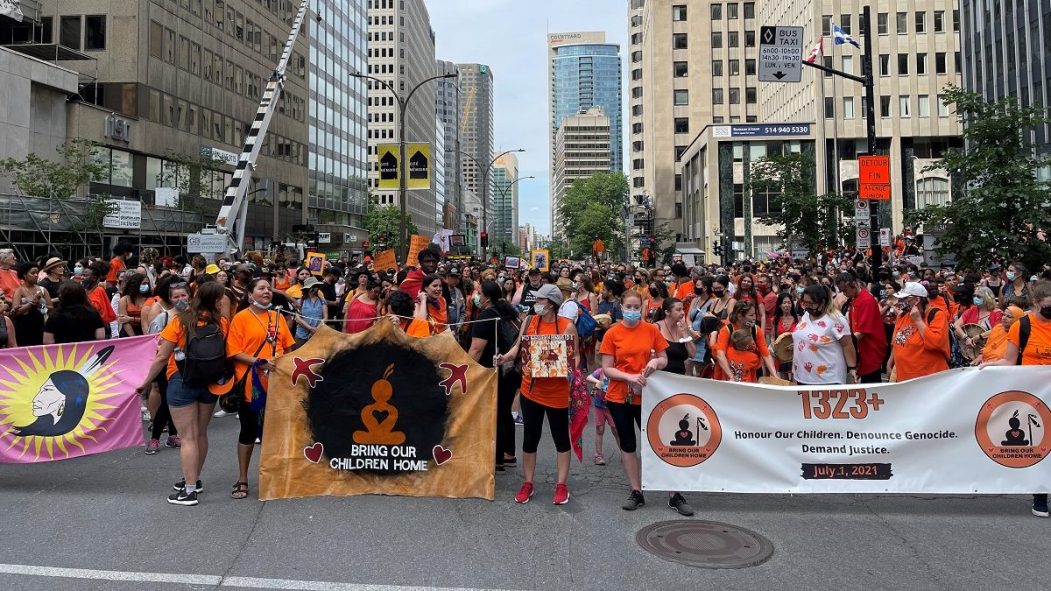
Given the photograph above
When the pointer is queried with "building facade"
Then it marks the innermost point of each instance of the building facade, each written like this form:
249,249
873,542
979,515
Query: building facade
401,53
505,189
338,159
182,83
583,72
583,147
448,109
477,140
1006,50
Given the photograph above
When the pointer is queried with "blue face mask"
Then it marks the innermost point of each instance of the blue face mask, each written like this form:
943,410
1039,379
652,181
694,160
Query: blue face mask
978,301
632,317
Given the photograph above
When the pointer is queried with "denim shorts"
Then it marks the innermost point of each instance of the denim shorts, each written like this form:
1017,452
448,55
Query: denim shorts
179,394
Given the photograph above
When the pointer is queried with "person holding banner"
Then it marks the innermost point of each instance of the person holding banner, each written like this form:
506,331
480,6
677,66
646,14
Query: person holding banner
631,351
920,345
191,405
549,342
823,347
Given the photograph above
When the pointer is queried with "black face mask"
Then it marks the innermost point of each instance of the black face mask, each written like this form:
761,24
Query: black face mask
1046,312
812,311
718,292
698,291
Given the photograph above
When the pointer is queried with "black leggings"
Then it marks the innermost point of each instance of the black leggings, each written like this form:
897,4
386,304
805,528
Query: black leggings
506,387
164,414
533,425
623,415
251,425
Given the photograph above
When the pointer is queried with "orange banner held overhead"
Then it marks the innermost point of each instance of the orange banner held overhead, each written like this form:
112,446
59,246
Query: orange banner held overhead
385,259
416,244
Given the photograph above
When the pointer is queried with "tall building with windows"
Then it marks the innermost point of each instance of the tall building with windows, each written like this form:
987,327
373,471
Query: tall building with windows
338,161
401,53
505,189
1007,52
448,109
171,87
477,139
583,72
583,147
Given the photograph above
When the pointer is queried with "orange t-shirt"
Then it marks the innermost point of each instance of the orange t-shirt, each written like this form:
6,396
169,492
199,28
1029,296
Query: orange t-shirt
722,343
9,282
281,282
551,392
916,356
418,328
438,314
684,291
1038,347
174,333
101,303
248,331
116,265
630,348
743,364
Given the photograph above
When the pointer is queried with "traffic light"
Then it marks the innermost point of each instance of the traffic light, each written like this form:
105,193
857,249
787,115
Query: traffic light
717,248
485,239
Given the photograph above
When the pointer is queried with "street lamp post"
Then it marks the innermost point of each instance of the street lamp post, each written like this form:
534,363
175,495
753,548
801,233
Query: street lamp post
402,158
485,186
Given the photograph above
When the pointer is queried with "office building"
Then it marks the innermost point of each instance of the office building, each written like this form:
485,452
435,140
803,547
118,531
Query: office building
438,168
505,200
583,147
168,87
448,109
401,53
477,139
583,72
1007,52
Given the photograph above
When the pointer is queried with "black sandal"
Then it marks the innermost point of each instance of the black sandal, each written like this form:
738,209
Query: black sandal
240,490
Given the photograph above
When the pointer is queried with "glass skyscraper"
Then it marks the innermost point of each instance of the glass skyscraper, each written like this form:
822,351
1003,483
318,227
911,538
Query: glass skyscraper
585,75
338,125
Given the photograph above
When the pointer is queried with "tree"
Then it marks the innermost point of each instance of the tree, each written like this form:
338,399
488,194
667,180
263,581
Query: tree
1004,210
56,179
592,209
802,216
384,226
191,176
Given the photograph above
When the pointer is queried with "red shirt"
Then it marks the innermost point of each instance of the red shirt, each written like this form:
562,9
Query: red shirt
865,319
100,301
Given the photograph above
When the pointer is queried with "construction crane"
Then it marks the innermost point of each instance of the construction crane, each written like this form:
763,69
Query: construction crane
234,207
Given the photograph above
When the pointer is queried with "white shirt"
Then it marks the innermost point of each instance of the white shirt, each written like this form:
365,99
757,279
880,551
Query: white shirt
818,356
569,309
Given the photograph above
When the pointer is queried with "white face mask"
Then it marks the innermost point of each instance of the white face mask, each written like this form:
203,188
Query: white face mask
540,309
262,306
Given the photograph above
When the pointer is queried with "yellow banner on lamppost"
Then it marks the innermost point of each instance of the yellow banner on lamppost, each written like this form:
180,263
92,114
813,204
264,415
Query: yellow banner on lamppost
387,156
419,157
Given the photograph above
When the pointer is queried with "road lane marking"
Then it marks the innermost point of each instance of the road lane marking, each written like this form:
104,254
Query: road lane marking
208,580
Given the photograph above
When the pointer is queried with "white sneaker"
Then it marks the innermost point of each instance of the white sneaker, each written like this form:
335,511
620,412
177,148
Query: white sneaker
221,413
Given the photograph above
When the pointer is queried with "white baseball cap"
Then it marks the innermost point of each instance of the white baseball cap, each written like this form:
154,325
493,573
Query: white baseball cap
912,288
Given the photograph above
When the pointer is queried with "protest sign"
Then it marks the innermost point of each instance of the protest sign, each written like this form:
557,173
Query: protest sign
379,412
962,431
65,401
385,259
416,244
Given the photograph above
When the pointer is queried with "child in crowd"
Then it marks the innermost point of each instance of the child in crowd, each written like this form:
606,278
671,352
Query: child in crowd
742,356
599,383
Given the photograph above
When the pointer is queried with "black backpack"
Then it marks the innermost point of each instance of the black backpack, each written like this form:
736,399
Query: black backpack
1025,326
956,358
205,361
507,334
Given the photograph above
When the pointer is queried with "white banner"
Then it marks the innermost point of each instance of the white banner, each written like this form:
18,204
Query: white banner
962,431
10,8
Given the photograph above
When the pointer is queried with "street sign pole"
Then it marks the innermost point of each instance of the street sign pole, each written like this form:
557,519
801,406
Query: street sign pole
870,125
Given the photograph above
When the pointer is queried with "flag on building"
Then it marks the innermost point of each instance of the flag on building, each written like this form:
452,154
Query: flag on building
10,8
816,52
842,38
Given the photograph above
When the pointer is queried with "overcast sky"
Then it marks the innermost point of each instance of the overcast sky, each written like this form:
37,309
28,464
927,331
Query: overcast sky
511,37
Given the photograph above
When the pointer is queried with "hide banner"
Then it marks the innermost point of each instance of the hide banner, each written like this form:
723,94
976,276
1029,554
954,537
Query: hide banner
962,431
64,401
379,412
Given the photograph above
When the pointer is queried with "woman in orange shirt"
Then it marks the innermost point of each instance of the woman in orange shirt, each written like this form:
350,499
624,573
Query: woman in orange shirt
437,312
545,395
996,343
260,329
631,351
920,343
191,406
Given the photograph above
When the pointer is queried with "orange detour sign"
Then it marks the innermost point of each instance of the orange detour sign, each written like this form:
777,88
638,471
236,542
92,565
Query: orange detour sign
874,178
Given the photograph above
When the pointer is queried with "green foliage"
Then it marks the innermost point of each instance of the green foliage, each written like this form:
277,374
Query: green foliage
1005,207
663,244
190,176
384,226
805,218
592,208
59,179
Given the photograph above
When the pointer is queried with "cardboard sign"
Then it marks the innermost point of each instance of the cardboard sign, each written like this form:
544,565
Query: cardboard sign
385,259
546,356
416,244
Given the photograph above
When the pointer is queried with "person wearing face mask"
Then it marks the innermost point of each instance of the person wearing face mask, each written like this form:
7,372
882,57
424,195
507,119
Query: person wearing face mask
657,293
982,312
724,303
823,345
173,298
920,343
129,308
544,396
261,329
1016,286
741,317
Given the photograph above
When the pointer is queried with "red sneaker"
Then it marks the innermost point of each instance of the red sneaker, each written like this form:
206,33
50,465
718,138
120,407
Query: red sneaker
525,493
561,494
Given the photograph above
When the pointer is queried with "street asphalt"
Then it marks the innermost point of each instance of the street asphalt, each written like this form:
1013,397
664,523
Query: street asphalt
102,522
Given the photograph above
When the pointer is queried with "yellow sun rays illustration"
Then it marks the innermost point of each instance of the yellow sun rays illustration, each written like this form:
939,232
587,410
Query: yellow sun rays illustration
24,378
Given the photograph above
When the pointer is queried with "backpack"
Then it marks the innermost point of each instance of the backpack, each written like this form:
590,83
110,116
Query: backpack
205,356
1025,326
507,330
956,358
586,323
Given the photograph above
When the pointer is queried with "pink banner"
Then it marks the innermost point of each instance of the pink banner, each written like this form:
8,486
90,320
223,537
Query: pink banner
65,401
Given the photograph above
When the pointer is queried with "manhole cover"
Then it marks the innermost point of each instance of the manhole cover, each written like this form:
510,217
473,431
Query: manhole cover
705,544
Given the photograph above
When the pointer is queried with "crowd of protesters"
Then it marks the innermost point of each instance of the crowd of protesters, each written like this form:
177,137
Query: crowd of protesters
816,322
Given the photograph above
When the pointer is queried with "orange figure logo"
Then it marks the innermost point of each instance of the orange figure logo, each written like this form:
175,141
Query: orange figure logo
380,417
